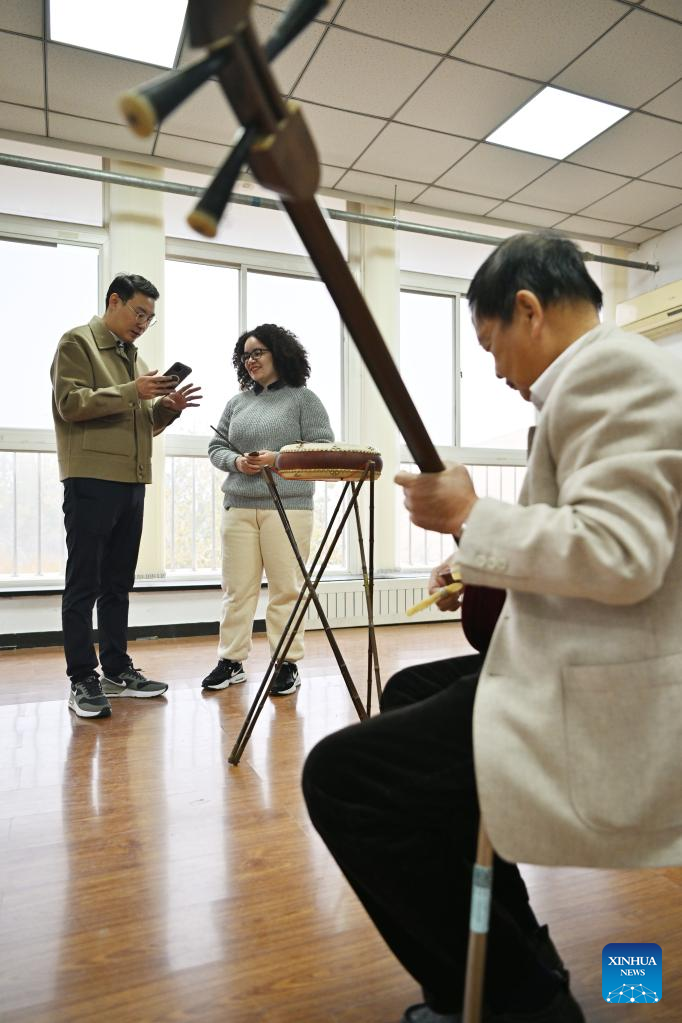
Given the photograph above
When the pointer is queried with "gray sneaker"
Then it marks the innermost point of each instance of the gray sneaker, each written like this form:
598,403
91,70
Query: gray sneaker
87,700
132,682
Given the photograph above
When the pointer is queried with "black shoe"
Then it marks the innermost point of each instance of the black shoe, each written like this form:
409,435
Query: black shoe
226,673
287,680
547,954
86,698
563,1008
420,1013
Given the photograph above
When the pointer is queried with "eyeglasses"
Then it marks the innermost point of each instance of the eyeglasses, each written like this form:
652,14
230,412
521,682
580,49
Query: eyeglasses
255,353
143,318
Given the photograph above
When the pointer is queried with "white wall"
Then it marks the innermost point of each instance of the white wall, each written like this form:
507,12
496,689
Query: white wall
666,250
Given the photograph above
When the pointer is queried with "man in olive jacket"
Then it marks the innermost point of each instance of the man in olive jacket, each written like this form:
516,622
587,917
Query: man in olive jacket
107,406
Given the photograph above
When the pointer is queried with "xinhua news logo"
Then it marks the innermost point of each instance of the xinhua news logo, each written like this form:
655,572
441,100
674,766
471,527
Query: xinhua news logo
631,973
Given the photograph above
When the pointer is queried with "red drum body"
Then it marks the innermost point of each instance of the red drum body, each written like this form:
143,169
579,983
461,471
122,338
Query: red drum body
327,462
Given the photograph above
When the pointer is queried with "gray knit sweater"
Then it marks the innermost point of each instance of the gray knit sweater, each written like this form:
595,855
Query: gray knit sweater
265,419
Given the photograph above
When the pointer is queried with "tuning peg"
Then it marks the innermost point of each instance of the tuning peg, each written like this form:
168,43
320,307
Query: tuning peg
206,215
148,105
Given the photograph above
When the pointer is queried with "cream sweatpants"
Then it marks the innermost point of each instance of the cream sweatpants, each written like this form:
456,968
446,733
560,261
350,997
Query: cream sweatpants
253,539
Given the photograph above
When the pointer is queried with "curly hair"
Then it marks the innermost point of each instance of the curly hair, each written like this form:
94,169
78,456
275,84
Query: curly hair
289,357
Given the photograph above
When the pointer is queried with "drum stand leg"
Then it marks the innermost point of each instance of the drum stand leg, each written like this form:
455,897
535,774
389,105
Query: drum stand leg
368,583
481,893
288,634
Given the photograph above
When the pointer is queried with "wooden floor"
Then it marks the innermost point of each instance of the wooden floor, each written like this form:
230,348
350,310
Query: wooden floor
144,879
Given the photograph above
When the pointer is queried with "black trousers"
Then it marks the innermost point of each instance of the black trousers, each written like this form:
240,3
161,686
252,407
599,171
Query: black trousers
394,798
103,522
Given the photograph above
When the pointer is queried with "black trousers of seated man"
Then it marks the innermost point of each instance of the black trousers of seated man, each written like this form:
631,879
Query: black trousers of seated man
103,521
394,799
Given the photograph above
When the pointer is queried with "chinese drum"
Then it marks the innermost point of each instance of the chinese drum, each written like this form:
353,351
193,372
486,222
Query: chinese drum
328,462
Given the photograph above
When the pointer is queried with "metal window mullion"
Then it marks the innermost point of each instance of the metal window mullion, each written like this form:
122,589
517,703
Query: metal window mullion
40,515
15,512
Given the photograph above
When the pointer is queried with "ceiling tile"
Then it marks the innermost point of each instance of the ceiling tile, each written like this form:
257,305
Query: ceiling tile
21,70
97,133
526,214
206,115
420,155
290,64
636,203
494,170
560,31
588,227
436,25
637,235
607,71
16,118
668,104
359,73
673,218
326,14
444,199
22,16
68,68
633,146
669,173
672,8
329,176
570,188
376,185
440,102
200,154
340,136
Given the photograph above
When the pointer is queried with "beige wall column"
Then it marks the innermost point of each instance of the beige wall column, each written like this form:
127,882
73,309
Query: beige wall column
373,259
614,282
134,217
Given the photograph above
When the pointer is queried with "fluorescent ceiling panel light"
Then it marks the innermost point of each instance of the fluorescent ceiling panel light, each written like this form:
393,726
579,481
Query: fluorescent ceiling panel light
144,30
555,123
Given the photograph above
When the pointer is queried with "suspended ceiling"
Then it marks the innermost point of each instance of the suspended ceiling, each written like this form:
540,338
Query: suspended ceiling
400,96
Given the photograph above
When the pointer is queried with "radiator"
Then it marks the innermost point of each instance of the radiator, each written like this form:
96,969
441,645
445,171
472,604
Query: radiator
344,604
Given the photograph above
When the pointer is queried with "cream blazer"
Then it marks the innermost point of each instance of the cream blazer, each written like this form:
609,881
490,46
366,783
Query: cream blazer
578,715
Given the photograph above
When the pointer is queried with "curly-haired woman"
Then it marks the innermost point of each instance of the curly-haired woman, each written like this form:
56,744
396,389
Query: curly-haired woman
273,408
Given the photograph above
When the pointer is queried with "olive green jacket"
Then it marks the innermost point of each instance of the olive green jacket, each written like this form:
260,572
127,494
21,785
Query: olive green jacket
104,429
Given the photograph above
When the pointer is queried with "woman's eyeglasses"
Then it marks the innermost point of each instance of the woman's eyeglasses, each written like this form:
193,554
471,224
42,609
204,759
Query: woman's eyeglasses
255,353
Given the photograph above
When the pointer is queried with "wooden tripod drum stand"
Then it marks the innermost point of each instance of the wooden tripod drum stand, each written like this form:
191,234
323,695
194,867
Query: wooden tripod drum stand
352,487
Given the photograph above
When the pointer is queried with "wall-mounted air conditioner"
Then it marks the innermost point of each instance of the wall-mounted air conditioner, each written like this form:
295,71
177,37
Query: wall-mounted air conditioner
655,314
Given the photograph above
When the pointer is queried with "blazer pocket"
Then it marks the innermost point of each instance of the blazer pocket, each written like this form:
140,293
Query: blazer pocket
624,743
113,435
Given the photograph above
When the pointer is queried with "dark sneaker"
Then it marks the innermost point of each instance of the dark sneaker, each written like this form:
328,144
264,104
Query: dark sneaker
287,680
87,700
132,682
562,1009
421,1013
226,673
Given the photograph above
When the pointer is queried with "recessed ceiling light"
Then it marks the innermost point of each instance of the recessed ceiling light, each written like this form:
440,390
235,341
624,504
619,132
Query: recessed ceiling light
555,123
147,31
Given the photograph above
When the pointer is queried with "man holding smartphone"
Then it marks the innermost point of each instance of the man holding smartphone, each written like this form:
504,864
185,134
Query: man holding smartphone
107,406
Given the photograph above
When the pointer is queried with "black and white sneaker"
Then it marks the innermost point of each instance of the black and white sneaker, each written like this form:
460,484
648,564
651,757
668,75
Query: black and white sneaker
226,673
87,700
132,682
287,680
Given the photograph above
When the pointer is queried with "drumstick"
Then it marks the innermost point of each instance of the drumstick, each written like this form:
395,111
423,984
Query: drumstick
230,446
433,597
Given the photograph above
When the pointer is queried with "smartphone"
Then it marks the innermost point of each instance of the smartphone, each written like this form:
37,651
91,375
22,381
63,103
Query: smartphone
179,371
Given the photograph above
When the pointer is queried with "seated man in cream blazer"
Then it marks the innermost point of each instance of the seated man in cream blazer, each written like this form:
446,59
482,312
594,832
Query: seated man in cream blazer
577,726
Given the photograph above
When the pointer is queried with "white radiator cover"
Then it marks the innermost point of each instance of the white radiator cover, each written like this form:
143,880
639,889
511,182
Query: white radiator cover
343,602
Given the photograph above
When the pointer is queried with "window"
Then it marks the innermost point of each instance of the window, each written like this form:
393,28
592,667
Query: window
303,306
201,306
427,349
491,414
48,289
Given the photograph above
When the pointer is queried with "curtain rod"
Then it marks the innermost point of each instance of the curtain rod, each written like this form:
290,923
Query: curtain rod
176,188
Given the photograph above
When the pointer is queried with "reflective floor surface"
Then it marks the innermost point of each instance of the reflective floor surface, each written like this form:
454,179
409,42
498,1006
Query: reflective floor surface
144,879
